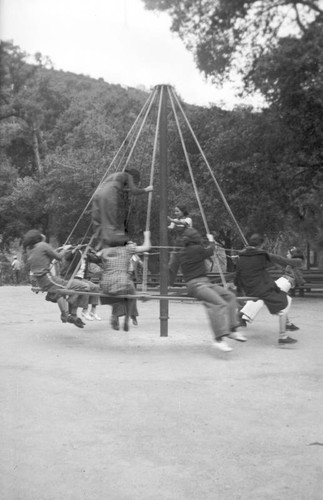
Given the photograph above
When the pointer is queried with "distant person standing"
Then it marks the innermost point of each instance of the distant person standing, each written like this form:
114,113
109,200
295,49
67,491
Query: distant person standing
16,268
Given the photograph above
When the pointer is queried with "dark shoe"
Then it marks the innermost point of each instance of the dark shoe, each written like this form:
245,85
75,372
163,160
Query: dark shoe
134,320
291,327
75,321
286,341
64,317
126,324
115,322
78,322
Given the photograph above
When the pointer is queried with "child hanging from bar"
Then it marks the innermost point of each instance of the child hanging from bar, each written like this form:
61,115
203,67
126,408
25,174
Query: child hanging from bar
40,255
116,279
109,207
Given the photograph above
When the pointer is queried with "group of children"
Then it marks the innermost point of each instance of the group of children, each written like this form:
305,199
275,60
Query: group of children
115,253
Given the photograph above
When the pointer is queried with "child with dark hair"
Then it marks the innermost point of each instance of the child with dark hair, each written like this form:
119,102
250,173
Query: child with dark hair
39,257
109,206
220,303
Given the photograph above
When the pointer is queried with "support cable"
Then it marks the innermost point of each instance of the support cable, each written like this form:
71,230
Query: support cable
194,185
211,172
125,142
150,195
140,129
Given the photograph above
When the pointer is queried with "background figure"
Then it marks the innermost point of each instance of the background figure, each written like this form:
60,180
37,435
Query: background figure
296,272
16,268
109,207
177,226
253,279
296,275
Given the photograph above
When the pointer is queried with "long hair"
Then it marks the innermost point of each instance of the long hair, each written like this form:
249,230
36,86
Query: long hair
183,209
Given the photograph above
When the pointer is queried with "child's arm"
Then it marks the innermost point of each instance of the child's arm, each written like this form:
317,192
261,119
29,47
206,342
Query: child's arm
136,190
146,244
53,254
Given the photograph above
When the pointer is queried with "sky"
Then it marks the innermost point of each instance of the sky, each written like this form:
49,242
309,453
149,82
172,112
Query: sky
117,40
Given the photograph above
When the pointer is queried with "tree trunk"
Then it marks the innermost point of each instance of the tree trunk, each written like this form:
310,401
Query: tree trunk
36,151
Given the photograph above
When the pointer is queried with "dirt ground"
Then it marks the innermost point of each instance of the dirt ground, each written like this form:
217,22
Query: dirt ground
96,414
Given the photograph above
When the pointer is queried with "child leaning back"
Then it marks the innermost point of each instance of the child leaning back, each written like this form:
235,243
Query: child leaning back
39,257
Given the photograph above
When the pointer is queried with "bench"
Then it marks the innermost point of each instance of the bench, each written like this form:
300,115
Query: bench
312,277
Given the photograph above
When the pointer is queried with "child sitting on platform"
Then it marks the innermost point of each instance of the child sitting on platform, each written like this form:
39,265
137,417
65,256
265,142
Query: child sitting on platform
39,257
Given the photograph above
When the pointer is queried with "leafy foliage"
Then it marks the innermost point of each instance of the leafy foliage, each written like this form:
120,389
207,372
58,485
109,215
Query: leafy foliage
60,132
235,33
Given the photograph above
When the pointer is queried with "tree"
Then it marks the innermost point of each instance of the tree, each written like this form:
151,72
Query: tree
222,34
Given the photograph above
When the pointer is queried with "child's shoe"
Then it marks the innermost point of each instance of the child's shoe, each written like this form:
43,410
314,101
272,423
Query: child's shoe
86,316
95,316
222,345
286,341
291,327
75,321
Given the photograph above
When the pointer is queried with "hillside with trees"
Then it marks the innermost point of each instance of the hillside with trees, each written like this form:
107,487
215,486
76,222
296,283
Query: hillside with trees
60,132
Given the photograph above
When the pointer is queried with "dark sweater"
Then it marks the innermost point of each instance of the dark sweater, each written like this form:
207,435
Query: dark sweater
192,261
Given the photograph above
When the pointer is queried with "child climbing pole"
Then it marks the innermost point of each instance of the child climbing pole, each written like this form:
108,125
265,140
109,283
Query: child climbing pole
109,207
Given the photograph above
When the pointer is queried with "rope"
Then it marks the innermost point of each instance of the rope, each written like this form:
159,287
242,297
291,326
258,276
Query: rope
150,195
124,143
140,129
143,155
212,174
194,184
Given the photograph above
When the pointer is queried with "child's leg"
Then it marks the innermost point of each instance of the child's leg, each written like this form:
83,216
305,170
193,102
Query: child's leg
283,316
63,307
251,309
72,318
94,301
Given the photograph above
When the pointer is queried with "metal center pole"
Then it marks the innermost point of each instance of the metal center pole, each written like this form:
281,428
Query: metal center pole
163,263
